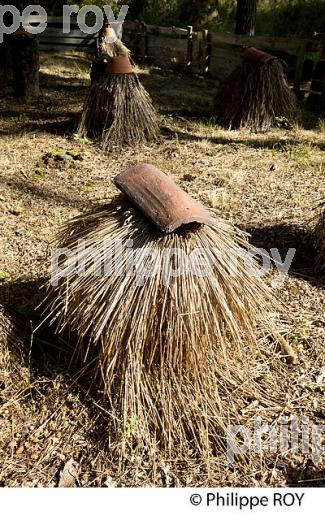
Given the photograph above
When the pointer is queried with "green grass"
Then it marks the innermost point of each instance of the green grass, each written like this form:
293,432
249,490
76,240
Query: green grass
321,125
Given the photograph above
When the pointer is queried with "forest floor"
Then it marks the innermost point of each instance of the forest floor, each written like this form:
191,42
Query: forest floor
268,184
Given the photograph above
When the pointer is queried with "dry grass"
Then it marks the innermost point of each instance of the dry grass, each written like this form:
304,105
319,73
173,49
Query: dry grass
254,95
265,183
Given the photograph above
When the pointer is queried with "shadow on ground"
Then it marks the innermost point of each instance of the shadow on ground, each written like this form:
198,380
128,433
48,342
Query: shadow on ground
32,121
254,142
34,345
28,186
72,86
284,237
308,475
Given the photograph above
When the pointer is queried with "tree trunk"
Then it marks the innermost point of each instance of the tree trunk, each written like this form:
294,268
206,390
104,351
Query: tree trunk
24,57
5,61
246,17
25,64
5,54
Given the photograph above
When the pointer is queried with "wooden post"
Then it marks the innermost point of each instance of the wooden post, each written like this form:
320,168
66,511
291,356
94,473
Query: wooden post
5,54
189,59
299,68
208,53
204,51
199,56
316,98
25,64
5,60
202,38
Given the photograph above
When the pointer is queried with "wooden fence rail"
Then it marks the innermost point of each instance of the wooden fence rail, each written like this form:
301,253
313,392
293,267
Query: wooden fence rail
198,52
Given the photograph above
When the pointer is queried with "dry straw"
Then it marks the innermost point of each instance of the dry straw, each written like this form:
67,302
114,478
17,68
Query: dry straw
118,110
109,49
175,360
255,94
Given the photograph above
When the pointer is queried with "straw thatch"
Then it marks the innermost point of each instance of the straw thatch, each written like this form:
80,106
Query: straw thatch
254,95
174,355
112,49
118,112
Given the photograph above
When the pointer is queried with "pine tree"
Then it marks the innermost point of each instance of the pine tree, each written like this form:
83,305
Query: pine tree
246,17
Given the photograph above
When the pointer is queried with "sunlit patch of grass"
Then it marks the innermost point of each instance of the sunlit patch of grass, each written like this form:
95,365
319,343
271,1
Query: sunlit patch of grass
4,276
165,119
221,201
301,154
204,144
320,168
321,125
282,122
75,64
206,126
144,70
89,184
300,332
308,156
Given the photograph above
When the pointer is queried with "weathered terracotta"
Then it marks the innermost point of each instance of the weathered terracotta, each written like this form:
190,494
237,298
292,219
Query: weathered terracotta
160,199
119,65
253,54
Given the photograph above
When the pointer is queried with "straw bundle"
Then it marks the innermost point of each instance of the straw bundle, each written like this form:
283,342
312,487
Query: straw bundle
118,111
255,94
113,49
173,354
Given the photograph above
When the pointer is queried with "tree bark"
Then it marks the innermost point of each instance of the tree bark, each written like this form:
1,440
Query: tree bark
246,17
5,60
25,65
5,54
24,51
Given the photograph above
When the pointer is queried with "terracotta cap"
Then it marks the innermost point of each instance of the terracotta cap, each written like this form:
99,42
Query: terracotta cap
160,199
253,54
119,65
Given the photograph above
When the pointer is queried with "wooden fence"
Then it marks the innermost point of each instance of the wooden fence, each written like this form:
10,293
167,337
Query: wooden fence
198,52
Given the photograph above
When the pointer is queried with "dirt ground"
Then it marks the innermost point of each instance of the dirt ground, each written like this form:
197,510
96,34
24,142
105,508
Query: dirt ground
268,184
